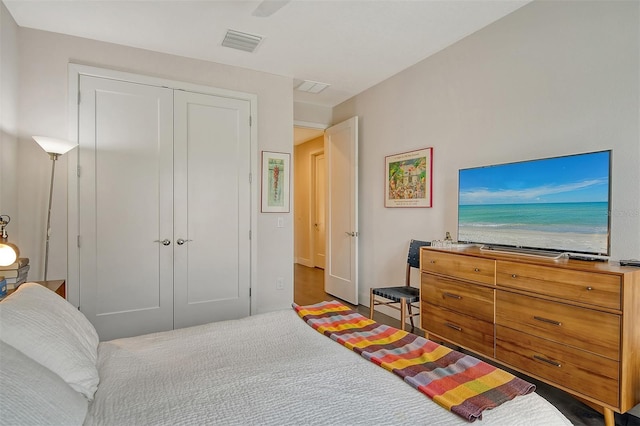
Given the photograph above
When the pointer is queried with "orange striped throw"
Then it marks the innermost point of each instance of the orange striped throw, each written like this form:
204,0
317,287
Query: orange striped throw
458,382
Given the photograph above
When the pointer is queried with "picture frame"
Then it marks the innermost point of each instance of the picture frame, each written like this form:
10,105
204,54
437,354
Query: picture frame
408,179
275,182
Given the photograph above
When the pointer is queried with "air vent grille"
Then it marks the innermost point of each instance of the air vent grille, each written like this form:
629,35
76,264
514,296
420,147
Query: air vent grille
312,86
241,41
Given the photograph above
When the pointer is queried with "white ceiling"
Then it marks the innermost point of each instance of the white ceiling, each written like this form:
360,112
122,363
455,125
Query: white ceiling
350,44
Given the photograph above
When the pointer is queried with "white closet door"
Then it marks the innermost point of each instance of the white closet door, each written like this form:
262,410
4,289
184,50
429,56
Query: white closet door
212,208
125,207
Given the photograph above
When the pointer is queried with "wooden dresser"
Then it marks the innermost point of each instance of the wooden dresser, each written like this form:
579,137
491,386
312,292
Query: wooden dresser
573,324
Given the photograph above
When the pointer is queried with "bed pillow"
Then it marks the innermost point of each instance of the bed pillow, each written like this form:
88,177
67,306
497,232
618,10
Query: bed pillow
31,394
51,331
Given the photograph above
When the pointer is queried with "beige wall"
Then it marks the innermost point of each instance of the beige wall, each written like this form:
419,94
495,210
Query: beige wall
303,251
306,114
43,93
8,122
552,78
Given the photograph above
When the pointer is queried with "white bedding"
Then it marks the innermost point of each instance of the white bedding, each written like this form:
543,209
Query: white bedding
267,369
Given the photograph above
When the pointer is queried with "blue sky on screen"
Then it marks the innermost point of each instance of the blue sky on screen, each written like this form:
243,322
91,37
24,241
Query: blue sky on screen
576,178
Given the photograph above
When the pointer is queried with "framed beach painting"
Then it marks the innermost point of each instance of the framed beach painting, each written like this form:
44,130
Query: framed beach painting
408,179
275,182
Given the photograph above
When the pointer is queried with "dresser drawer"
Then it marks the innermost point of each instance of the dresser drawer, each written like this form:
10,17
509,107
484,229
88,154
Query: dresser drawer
593,331
572,368
462,329
585,287
455,265
465,298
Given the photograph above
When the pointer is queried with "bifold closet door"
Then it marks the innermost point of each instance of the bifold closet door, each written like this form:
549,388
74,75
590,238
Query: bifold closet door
164,207
212,208
125,206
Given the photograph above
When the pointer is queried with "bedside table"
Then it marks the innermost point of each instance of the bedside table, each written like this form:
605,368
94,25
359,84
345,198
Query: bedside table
57,286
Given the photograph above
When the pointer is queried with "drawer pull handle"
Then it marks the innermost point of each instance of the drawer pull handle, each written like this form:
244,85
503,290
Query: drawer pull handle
548,361
476,269
455,327
589,288
432,261
451,295
514,276
548,321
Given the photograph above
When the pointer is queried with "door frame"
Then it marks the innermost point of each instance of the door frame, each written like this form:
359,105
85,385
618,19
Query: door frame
74,73
313,207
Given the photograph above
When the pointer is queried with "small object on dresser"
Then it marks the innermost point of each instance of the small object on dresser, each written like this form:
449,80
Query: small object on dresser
448,241
630,262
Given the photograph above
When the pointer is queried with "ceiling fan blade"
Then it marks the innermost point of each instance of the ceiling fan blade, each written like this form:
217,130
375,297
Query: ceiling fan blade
269,7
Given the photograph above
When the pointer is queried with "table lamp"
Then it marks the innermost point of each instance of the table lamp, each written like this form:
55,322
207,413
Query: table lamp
8,252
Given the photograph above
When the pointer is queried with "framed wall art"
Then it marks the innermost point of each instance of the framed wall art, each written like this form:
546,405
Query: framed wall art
275,182
408,179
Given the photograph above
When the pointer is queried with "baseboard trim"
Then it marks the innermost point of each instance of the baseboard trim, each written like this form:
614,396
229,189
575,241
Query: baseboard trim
304,262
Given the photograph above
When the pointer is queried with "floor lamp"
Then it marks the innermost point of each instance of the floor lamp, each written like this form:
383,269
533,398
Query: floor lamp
55,148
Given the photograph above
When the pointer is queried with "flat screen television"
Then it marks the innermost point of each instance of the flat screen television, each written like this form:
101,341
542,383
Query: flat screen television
552,205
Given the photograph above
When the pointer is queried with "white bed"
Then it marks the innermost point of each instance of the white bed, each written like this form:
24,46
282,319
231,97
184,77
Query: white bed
265,369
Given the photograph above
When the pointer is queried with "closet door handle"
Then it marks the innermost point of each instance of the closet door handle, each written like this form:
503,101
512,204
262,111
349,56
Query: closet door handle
180,241
164,242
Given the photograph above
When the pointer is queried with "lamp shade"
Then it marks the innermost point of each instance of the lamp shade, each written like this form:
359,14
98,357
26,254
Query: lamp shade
8,253
54,146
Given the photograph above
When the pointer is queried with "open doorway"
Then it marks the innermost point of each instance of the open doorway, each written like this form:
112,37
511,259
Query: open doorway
308,197
332,183
308,226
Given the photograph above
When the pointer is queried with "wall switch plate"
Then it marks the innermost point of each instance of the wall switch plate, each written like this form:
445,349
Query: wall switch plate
280,222
280,283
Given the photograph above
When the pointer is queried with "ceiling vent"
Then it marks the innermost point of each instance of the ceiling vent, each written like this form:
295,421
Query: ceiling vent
241,41
312,86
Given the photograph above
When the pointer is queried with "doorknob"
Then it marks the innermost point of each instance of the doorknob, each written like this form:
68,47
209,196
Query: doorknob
180,241
352,234
164,242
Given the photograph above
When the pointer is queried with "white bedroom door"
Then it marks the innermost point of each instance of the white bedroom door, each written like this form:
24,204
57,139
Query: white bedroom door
341,152
125,208
212,208
164,207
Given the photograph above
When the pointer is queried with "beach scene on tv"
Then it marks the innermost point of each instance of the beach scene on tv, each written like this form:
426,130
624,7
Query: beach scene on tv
559,204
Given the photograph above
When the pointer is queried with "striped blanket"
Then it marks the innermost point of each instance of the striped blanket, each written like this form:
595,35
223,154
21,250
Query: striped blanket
460,383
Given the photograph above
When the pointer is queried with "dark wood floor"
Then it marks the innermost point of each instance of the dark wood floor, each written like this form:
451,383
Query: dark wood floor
309,289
